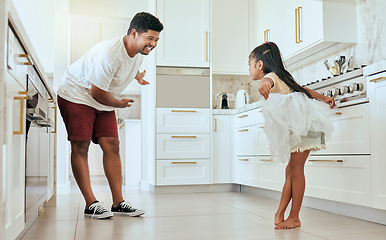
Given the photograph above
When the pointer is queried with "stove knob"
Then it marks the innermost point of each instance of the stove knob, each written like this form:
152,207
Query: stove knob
351,88
336,91
344,90
356,86
328,93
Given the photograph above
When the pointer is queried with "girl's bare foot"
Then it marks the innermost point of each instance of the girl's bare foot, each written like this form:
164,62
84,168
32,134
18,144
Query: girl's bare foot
279,217
289,223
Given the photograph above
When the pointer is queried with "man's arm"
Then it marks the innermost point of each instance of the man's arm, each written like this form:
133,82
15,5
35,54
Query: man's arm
107,99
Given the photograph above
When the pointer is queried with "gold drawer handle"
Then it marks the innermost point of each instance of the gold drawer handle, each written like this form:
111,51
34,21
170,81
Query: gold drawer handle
190,111
21,122
261,127
56,118
184,136
266,160
243,116
243,130
215,124
380,79
338,161
337,113
207,46
244,159
184,162
26,56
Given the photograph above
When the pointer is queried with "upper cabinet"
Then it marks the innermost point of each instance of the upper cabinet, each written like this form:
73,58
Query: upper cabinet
185,39
306,27
230,36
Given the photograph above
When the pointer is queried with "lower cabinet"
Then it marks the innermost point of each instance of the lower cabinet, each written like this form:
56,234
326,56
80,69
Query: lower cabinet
183,172
221,149
271,175
245,170
339,178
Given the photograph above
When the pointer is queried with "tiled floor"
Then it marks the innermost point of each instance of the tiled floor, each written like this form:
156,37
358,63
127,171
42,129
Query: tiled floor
195,216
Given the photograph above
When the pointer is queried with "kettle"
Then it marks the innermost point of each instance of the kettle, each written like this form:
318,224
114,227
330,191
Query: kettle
242,98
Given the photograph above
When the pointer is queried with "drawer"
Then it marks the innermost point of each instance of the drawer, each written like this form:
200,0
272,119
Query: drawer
173,146
245,171
262,143
249,118
340,178
271,175
171,120
245,140
351,131
183,172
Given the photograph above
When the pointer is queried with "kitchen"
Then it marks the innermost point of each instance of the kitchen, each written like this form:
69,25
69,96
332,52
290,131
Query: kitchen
221,163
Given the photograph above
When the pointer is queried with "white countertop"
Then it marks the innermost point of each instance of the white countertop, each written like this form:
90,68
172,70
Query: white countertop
244,108
374,68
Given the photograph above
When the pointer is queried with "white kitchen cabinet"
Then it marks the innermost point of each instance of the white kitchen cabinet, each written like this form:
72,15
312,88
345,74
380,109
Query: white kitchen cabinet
184,120
221,148
245,170
245,141
262,143
173,146
306,27
14,161
339,178
186,37
230,51
183,146
271,175
351,133
88,31
248,118
377,98
183,172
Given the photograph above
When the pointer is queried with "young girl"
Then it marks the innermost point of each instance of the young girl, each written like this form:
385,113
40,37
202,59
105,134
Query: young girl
295,124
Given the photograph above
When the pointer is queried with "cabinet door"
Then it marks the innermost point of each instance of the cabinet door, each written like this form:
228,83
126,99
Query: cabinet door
245,171
245,141
84,35
14,161
339,178
173,146
230,51
183,120
262,143
185,39
351,131
271,175
183,172
377,96
221,157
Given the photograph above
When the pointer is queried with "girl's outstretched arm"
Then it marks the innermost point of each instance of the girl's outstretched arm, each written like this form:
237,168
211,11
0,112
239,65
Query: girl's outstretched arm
265,87
329,100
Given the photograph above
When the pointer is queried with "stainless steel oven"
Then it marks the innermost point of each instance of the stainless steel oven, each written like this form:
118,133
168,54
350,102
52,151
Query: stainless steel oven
37,141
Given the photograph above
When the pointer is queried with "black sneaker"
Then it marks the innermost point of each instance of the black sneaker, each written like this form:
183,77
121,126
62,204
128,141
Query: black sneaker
96,210
125,208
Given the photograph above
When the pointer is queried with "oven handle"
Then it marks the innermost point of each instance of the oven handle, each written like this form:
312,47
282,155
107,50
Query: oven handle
21,123
378,79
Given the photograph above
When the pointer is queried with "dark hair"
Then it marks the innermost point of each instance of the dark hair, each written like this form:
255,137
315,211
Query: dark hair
270,54
144,21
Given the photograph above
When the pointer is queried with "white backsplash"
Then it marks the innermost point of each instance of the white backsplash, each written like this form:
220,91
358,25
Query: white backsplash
370,48
231,84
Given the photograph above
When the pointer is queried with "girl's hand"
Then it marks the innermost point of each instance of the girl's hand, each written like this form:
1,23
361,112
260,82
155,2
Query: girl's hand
330,101
265,88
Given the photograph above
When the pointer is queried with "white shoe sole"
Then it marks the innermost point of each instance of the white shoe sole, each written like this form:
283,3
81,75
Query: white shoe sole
132,214
100,216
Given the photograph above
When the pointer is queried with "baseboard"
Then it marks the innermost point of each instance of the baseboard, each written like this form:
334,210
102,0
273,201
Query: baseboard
349,210
197,188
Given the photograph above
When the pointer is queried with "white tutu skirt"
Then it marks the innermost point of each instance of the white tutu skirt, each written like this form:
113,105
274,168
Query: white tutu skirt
295,123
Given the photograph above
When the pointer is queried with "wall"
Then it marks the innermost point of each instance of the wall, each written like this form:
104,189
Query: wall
111,8
371,46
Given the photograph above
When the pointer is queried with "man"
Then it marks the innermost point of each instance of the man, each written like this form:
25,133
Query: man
87,99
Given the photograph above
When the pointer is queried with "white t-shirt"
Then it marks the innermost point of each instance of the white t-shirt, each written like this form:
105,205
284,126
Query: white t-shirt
107,66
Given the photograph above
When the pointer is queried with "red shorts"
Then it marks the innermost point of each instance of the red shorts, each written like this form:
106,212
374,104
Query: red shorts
85,123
